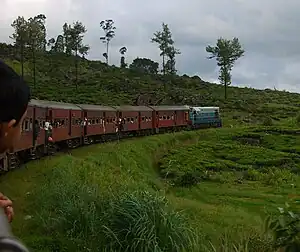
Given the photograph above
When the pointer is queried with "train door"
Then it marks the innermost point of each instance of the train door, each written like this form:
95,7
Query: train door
34,133
175,118
157,120
85,123
70,123
139,119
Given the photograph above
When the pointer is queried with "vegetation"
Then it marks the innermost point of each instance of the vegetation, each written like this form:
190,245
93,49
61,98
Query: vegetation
191,191
117,196
227,52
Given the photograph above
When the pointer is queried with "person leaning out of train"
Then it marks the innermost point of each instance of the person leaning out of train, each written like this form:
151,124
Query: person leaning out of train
14,99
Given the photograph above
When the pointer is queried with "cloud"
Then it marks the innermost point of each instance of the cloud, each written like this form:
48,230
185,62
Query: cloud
267,29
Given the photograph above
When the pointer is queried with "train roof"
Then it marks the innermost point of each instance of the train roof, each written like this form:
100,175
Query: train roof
204,108
133,108
172,108
95,107
53,104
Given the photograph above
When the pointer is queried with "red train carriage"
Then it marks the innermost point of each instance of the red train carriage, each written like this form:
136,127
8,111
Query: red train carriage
39,116
64,118
135,118
168,117
26,141
100,119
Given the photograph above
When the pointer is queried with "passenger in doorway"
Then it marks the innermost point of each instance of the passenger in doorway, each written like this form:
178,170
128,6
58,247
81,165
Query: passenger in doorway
36,132
14,99
48,131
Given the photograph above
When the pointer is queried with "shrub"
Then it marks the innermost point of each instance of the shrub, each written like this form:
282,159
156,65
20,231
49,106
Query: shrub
91,220
285,229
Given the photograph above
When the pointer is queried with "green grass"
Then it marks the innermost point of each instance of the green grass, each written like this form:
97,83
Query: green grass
117,197
205,191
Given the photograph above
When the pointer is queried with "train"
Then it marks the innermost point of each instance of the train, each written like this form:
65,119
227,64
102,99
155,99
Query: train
74,125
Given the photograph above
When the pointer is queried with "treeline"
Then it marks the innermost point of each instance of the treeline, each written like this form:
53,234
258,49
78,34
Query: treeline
30,36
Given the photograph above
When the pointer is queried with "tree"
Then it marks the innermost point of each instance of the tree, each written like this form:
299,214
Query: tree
165,42
123,50
226,52
144,65
59,46
170,67
20,37
51,44
109,33
37,39
74,43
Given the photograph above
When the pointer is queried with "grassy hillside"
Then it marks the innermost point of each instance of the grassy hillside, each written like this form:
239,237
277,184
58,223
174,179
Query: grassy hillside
208,190
93,199
102,84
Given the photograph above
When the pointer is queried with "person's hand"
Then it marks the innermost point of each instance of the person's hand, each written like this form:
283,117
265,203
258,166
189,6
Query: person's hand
6,204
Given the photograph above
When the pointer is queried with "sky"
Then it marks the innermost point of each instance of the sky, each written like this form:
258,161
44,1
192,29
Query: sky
268,31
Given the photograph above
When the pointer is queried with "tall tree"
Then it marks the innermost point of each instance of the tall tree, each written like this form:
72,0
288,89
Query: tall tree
226,52
67,39
109,33
75,35
144,65
51,44
122,51
170,67
20,37
37,39
59,46
165,42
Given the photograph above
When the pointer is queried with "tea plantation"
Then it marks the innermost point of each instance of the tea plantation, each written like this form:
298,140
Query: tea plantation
206,190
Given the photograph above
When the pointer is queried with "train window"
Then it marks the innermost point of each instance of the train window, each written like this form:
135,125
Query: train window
62,122
26,125
110,120
164,117
93,121
106,120
168,117
30,124
23,126
128,119
136,118
114,119
97,121
160,118
172,117
143,118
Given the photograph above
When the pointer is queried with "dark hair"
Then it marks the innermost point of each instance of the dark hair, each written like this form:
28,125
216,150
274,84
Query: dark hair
14,94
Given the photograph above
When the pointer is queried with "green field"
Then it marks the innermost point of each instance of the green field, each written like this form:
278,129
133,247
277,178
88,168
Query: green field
208,190
158,193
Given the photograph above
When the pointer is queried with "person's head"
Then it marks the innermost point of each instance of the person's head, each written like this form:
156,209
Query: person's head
14,99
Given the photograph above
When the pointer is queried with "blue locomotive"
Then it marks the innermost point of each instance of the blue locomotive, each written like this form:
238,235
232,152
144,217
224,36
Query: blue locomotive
205,117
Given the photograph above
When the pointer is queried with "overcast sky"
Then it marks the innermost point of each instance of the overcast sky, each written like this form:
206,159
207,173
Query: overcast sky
268,29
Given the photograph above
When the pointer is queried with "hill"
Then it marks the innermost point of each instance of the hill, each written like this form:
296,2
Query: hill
102,84
190,191
171,192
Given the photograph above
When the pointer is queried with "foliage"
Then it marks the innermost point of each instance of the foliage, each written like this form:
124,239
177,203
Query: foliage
122,51
206,160
144,65
68,201
226,52
285,228
109,33
166,45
